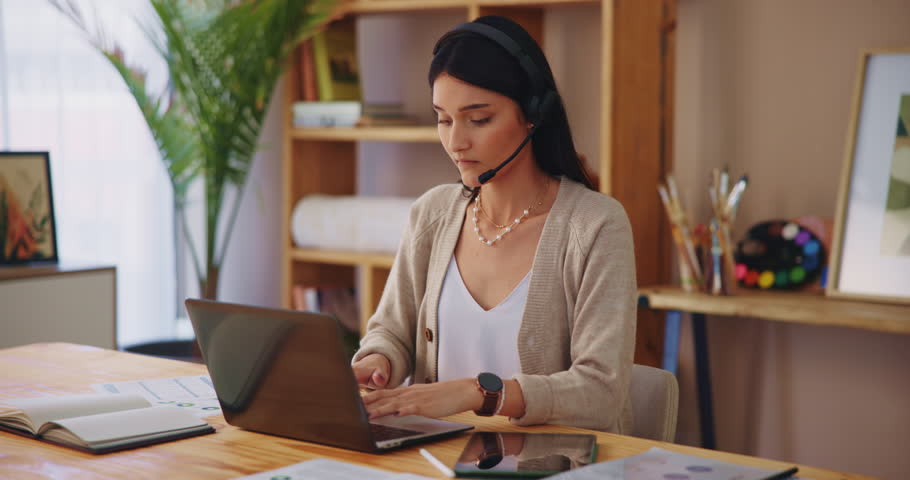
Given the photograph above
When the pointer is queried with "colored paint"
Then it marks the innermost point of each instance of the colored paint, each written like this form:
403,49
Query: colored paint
811,248
797,274
741,271
810,263
751,278
781,279
790,231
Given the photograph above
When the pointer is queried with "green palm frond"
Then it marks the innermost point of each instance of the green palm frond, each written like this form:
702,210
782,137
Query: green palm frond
224,59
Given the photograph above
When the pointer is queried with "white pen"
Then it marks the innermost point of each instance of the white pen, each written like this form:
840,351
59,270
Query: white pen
436,463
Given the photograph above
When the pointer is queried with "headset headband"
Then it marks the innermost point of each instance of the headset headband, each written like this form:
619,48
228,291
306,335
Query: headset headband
538,85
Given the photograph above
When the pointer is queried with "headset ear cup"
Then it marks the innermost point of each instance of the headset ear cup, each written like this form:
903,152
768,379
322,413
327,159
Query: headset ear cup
546,106
533,109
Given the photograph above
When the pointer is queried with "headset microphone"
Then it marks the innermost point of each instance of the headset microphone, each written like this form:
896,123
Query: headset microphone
541,114
489,174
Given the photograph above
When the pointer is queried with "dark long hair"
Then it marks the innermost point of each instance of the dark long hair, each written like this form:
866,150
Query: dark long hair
480,61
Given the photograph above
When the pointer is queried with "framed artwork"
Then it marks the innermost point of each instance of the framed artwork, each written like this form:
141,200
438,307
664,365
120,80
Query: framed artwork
871,250
27,227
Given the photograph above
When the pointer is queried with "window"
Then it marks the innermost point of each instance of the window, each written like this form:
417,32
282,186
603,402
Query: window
112,196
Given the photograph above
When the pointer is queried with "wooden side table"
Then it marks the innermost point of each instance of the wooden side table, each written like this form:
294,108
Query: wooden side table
790,307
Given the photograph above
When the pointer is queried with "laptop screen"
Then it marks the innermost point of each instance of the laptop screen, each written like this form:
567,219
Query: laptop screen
281,372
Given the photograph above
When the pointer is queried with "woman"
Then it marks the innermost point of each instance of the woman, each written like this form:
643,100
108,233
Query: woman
513,295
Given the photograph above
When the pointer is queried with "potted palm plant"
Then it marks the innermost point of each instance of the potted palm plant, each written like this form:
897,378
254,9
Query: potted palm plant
224,59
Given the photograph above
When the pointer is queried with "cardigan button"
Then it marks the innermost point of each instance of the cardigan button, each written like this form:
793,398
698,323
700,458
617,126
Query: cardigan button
429,334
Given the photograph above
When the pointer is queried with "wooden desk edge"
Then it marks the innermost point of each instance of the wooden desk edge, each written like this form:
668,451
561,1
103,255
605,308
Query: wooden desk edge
790,307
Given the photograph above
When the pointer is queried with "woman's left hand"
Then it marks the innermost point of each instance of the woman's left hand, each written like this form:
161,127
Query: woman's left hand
427,399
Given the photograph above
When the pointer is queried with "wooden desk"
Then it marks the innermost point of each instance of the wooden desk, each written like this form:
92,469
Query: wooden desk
59,368
790,307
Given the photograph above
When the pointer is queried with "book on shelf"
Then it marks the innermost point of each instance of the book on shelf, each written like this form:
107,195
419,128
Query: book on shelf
385,115
382,121
309,91
379,109
339,302
99,423
335,60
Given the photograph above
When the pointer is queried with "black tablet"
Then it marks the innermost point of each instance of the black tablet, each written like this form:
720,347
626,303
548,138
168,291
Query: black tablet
524,455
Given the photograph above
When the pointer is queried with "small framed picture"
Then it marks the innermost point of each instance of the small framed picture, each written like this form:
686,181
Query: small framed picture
871,249
27,227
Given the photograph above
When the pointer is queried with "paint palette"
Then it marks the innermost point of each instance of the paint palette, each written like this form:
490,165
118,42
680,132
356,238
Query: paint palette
779,254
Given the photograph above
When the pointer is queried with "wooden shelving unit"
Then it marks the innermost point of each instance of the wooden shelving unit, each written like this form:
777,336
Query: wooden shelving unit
323,160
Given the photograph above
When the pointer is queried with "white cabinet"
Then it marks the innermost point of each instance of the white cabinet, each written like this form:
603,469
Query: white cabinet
61,303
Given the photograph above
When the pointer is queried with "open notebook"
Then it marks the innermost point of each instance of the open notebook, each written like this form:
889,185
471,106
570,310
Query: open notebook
99,423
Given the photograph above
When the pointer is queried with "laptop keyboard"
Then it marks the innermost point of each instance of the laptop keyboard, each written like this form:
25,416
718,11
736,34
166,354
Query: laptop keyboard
385,432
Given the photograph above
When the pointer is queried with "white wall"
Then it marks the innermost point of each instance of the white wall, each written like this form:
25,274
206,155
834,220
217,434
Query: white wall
765,87
252,267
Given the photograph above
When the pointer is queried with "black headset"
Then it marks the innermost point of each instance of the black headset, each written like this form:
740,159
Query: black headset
543,95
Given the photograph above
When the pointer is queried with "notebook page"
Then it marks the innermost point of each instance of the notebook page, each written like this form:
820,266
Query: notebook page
47,409
325,469
129,423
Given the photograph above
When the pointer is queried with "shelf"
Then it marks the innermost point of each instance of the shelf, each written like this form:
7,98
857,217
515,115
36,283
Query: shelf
381,6
339,257
792,307
368,134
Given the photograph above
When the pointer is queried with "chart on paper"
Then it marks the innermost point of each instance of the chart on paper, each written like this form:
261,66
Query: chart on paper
325,469
194,393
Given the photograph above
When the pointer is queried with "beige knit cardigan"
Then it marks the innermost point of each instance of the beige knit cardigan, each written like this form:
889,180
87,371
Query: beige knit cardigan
577,335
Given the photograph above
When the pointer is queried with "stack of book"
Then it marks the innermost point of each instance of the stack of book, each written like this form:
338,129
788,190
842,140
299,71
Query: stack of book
385,115
339,302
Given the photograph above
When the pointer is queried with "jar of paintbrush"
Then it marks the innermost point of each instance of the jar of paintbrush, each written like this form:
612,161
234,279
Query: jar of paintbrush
706,254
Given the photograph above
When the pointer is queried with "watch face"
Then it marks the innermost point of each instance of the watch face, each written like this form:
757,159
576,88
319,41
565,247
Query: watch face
490,382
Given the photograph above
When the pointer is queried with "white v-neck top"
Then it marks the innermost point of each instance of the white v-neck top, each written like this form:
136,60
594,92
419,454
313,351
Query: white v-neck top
473,340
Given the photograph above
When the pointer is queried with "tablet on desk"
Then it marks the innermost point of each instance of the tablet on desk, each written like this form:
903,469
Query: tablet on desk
524,455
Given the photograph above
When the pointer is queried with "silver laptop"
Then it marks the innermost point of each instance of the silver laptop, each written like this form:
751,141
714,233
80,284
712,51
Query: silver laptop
285,372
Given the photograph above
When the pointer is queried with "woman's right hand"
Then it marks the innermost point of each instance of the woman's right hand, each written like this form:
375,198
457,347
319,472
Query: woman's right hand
372,371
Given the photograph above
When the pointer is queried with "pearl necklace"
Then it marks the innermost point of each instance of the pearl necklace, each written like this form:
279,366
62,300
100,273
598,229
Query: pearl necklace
505,229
